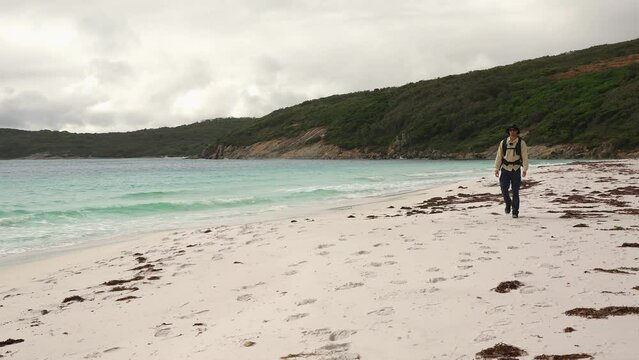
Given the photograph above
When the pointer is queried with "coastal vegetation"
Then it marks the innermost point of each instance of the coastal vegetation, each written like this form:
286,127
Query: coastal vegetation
587,97
184,140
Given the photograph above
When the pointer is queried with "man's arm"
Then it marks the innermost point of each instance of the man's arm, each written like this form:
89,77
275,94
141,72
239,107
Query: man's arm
524,157
498,159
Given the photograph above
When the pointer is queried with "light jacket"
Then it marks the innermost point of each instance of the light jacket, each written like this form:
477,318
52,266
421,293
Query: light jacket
511,155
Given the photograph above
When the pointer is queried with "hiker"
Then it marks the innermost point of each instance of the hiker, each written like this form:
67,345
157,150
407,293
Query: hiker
512,160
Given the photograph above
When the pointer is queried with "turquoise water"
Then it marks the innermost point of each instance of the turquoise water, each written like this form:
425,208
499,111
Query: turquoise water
53,203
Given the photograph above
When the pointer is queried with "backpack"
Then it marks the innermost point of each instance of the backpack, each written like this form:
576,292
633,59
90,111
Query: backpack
504,146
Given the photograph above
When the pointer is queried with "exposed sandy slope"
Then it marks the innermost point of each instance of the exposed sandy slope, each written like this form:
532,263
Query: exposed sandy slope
388,283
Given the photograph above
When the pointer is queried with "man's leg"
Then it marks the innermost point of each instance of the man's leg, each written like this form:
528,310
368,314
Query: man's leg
504,183
516,181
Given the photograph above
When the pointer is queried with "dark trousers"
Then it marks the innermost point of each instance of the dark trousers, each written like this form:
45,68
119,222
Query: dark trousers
506,179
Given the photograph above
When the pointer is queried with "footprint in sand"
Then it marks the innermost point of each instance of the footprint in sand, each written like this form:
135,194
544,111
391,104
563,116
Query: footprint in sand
484,336
362,252
305,302
398,282
531,289
429,290
163,330
341,334
464,267
548,266
324,246
383,311
369,274
432,269
522,274
374,264
436,280
497,309
245,297
291,272
296,317
349,285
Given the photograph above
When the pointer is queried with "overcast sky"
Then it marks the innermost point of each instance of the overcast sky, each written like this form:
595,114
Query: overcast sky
115,65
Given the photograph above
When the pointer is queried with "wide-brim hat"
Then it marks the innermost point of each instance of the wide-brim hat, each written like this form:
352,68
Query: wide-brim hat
512,127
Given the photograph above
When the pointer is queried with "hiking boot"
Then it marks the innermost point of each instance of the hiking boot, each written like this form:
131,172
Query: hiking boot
515,215
507,209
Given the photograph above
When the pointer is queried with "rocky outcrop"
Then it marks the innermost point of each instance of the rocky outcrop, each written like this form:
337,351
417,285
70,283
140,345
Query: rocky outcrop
311,145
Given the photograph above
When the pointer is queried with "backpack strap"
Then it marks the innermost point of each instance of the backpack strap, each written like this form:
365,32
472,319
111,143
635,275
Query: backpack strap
504,147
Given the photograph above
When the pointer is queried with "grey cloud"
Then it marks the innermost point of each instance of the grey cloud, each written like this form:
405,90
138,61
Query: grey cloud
107,34
108,71
133,59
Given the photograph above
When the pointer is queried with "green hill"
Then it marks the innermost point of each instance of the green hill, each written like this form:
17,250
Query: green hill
586,97
596,103
185,140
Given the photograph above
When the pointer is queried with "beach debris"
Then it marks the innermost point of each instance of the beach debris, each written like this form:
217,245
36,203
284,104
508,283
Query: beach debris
44,312
126,298
616,228
613,271
207,231
140,259
563,357
581,225
635,288
124,288
351,216
507,286
154,278
603,313
72,299
149,267
499,351
634,245
293,221
237,262
249,343
10,342
120,282
372,217
569,329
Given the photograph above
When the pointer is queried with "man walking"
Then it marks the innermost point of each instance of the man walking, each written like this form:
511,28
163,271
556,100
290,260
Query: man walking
512,156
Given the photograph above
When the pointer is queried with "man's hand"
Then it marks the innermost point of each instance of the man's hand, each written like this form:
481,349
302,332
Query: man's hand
524,173
497,173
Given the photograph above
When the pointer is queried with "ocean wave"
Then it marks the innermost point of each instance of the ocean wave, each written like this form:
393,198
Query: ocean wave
150,194
140,209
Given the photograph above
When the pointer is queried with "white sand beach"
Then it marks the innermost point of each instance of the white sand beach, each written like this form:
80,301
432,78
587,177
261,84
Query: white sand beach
408,277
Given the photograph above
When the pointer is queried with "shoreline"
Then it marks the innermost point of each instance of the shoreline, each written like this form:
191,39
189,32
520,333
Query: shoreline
406,276
259,216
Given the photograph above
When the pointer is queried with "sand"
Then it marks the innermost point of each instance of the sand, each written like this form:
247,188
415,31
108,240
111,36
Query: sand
408,277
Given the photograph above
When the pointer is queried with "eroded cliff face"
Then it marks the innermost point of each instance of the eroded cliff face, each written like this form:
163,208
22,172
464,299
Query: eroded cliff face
311,145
